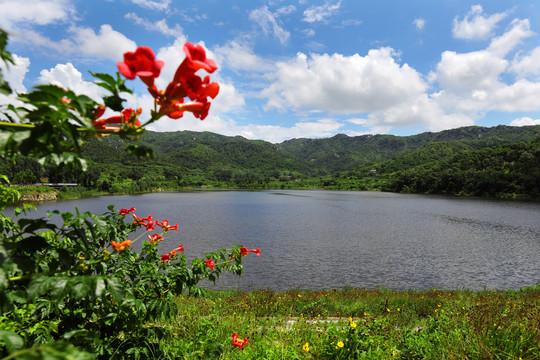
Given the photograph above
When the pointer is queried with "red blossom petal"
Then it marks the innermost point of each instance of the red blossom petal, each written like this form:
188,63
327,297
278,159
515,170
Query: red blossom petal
141,63
127,211
165,257
196,58
179,249
210,263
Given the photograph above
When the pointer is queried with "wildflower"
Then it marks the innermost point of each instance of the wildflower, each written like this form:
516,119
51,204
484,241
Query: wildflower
179,249
187,84
165,225
155,238
306,347
150,226
129,117
352,323
141,63
244,251
120,246
195,60
210,263
126,211
165,257
146,221
238,343
340,344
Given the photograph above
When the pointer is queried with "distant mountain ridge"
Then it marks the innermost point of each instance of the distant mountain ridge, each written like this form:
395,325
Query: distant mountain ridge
342,152
206,150
500,161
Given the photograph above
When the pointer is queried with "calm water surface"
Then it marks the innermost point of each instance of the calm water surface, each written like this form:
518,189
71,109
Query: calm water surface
330,239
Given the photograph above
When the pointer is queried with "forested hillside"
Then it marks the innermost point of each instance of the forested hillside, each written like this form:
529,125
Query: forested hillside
342,152
498,161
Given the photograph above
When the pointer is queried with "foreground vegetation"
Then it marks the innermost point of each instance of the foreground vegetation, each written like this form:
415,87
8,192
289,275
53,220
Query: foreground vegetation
358,324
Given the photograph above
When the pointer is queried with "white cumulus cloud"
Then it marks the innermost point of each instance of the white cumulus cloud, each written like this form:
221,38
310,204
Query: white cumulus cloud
344,84
525,121
476,24
68,77
526,65
472,82
108,43
14,13
14,74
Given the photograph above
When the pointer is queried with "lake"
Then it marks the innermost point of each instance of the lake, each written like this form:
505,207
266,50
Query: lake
315,239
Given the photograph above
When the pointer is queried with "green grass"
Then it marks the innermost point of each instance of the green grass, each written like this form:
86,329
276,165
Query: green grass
389,325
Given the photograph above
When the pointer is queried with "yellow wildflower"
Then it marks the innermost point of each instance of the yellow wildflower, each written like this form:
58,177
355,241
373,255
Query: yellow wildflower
352,323
340,344
306,347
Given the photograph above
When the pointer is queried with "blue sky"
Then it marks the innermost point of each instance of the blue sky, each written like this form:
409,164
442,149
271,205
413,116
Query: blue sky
290,69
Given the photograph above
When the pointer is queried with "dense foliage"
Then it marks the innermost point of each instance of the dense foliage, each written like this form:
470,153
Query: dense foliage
71,286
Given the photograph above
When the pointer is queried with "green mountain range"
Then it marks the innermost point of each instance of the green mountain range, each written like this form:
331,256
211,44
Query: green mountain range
496,161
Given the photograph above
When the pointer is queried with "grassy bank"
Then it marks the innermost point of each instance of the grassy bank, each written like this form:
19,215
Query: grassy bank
359,324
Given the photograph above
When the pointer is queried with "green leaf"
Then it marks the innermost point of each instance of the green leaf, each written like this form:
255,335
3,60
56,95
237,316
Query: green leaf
100,287
82,287
58,350
32,243
114,102
108,79
116,288
65,257
13,341
3,280
5,89
4,54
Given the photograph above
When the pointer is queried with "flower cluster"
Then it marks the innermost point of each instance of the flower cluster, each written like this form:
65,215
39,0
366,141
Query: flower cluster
237,342
171,253
126,211
149,223
171,101
121,246
164,224
210,263
244,251
129,117
154,238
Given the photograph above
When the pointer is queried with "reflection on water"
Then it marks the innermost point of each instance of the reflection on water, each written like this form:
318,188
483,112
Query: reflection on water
330,239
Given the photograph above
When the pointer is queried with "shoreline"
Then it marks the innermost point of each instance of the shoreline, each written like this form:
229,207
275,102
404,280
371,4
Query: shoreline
52,195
